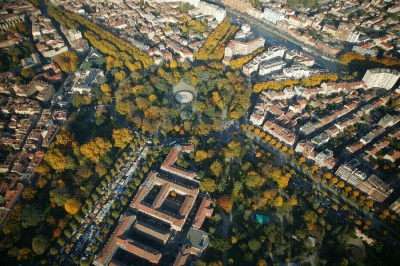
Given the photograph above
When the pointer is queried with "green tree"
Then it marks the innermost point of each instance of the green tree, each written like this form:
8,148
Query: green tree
310,217
221,244
39,244
216,168
252,179
254,245
208,184
29,193
31,215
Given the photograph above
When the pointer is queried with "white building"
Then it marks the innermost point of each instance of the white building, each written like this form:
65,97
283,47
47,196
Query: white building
86,80
296,71
209,9
255,13
272,53
272,15
74,35
272,66
236,47
351,174
381,78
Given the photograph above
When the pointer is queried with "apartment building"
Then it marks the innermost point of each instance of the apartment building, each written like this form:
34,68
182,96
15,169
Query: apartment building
381,78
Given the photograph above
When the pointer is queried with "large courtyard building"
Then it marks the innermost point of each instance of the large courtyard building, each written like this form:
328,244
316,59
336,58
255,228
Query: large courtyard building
159,211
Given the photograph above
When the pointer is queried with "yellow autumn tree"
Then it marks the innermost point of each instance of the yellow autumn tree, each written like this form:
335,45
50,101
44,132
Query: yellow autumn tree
278,201
96,148
68,61
72,206
269,194
105,88
350,56
200,156
122,137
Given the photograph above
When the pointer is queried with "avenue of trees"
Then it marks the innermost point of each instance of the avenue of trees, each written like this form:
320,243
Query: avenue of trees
214,46
352,56
306,82
237,63
102,39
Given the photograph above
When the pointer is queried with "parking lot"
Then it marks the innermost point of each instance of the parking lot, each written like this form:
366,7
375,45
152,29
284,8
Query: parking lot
84,239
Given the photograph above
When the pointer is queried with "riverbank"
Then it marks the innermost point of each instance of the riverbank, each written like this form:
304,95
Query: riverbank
324,59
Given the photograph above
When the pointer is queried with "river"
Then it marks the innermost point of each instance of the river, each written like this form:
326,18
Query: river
274,39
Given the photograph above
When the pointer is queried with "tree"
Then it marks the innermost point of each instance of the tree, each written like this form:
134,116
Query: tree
328,175
58,160
105,88
254,245
53,251
120,75
153,112
252,179
216,168
96,148
310,217
213,47
270,194
31,215
239,62
27,73
61,242
283,181
72,206
122,137
173,64
278,201
59,195
293,201
208,184
225,203
200,156
57,232
350,56
39,244
68,61
340,184
369,203
24,254
101,169
29,193
221,244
